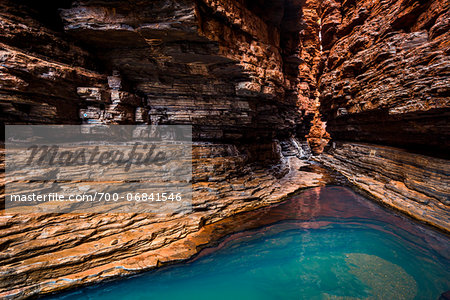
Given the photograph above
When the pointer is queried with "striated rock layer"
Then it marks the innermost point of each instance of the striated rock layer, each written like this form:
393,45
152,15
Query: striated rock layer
47,253
228,68
385,77
218,65
414,184
384,80
249,76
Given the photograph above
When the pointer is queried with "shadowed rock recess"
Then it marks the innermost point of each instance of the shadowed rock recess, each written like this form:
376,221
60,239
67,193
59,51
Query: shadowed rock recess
260,81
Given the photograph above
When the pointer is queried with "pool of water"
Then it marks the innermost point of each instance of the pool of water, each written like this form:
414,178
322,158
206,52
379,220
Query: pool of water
324,243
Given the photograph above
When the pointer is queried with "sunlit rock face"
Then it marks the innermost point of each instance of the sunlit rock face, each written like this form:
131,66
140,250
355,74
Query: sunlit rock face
385,73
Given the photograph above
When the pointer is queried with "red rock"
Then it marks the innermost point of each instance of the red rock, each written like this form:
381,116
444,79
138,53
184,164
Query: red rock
387,67
250,76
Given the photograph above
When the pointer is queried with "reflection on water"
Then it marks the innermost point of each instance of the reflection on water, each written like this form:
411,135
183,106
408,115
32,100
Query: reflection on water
324,243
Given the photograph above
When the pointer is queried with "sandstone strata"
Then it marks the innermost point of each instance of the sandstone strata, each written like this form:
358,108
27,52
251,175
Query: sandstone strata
249,77
47,253
384,80
385,77
414,184
219,65
40,70
229,68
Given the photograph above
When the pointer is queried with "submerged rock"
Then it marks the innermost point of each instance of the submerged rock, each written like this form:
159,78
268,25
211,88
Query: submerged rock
385,279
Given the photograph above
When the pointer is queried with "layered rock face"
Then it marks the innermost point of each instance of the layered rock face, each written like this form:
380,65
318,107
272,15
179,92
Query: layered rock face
40,70
249,76
228,68
218,65
47,253
415,184
385,81
385,73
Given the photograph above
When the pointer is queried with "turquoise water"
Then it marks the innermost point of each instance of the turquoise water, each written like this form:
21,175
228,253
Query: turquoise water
325,243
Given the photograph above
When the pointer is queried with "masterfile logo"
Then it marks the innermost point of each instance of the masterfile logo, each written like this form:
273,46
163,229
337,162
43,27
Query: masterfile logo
137,155
92,168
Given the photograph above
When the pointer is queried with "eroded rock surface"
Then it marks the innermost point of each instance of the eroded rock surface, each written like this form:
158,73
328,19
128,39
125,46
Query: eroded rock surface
46,253
229,68
415,184
250,77
219,65
385,80
385,76
40,70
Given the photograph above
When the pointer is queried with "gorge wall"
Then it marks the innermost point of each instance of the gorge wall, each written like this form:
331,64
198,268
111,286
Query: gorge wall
257,80
384,81
385,75
228,68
